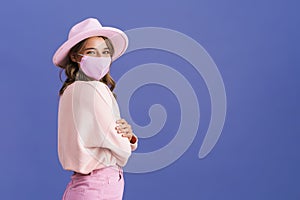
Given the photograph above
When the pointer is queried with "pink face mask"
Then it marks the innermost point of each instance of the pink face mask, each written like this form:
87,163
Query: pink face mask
95,67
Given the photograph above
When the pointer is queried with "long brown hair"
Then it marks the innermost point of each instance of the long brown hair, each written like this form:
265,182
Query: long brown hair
71,68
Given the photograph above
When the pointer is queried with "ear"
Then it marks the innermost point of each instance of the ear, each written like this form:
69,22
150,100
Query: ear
73,57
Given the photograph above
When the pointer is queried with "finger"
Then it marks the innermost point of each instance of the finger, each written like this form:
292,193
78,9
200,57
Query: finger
129,136
120,127
123,126
120,130
124,130
126,126
121,121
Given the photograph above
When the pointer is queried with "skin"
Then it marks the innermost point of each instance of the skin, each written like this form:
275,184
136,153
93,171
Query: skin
125,129
96,47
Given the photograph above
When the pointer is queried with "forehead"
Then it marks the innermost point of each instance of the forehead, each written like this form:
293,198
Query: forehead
95,42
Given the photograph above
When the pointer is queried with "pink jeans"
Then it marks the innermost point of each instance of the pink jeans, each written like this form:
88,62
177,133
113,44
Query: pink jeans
102,184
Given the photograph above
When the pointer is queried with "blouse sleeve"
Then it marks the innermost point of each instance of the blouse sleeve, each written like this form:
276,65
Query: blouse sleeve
95,121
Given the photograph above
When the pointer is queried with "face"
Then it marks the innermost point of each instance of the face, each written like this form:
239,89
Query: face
96,47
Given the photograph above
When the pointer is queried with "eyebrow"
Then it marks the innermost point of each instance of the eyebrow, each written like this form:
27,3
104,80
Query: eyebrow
92,48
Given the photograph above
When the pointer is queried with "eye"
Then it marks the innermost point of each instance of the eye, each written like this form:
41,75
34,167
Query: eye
90,52
106,52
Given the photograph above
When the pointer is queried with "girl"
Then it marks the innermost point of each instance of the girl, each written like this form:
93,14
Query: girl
93,141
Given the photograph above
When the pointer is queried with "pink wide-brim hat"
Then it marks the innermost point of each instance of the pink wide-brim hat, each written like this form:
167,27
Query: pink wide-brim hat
89,28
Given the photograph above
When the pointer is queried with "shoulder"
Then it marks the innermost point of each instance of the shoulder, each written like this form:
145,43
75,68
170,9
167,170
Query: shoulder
96,89
95,86
98,85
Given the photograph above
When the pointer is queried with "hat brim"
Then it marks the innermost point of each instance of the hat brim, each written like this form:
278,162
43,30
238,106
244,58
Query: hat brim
118,38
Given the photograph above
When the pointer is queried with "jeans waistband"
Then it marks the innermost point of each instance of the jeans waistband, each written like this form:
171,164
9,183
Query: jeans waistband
102,170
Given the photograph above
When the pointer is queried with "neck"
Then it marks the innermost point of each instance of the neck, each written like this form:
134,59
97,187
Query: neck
80,76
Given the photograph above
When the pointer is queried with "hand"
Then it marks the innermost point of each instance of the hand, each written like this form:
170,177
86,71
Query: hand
125,129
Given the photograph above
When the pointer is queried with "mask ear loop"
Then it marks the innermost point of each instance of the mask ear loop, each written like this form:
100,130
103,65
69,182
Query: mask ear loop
81,58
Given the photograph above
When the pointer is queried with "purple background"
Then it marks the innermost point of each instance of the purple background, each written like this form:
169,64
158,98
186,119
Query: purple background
255,45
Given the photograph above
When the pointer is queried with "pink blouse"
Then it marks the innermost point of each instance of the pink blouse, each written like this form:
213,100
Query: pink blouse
87,139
